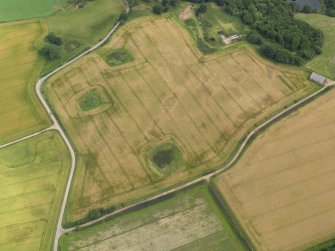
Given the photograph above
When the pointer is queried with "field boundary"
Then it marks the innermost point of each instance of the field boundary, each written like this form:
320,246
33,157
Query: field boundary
207,177
228,212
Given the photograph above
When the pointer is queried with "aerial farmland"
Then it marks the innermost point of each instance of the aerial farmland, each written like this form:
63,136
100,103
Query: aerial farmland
282,188
33,177
166,125
191,219
145,105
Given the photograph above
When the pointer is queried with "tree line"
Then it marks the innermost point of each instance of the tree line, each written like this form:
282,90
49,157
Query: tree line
282,37
330,7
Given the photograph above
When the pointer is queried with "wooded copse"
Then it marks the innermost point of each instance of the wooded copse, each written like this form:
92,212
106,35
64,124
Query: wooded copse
291,40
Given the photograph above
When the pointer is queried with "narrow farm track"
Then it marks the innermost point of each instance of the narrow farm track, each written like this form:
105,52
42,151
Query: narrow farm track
56,126
27,137
220,170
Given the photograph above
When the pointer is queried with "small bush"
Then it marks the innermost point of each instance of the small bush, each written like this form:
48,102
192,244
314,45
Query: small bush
163,157
49,52
123,17
191,23
90,100
95,214
202,9
53,39
254,38
118,57
159,8
203,47
308,9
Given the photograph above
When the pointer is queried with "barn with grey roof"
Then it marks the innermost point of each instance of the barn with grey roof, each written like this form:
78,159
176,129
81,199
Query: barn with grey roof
317,78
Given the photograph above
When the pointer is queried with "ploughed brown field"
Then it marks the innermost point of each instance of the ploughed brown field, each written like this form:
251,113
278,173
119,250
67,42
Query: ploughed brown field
170,94
282,190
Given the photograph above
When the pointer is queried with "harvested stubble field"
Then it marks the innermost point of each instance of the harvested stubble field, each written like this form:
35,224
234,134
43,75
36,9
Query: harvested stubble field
282,190
20,111
32,179
169,93
189,220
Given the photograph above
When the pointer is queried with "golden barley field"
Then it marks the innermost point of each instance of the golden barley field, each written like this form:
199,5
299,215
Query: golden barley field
282,190
168,94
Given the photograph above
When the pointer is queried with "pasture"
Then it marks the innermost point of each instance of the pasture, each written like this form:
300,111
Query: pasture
170,94
324,63
20,110
33,174
80,28
282,189
189,220
22,9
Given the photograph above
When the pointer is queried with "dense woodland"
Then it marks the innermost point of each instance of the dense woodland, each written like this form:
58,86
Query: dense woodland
287,40
330,7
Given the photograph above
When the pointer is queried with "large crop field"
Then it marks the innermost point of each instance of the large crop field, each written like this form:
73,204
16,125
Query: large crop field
33,174
324,63
23,9
282,190
190,220
20,111
168,115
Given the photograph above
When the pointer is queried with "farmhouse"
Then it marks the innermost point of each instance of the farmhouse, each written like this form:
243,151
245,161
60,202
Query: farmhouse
317,78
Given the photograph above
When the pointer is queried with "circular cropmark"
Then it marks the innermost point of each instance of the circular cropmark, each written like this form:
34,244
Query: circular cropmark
166,157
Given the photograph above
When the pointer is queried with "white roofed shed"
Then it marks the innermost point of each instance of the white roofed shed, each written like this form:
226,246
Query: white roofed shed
317,78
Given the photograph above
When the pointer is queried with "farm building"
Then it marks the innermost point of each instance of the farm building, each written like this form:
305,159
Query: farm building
317,78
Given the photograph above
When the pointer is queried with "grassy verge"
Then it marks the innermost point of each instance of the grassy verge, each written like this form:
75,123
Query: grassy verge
226,210
325,246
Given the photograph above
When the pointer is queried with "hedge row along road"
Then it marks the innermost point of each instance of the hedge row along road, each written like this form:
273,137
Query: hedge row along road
56,126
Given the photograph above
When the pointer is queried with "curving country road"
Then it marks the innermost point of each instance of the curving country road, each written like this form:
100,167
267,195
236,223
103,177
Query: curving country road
56,126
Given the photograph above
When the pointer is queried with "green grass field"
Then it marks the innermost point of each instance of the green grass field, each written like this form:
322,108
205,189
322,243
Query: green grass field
325,63
20,111
80,28
23,9
190,220
33,174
